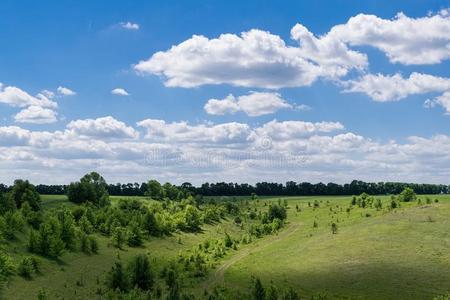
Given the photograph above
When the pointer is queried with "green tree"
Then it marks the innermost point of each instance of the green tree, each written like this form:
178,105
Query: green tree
141,275
155,190
23,191
119,236
91,188
276,212
6,204
407,195
117,278
192,218
134,235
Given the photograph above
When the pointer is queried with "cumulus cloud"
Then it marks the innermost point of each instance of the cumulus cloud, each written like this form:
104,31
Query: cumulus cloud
65,91
129,25
36,115
106,127
16,97
442,100
159,130
258,58
179,151
255,58
253,104
287,130
13,136
395,87
404,40
120,92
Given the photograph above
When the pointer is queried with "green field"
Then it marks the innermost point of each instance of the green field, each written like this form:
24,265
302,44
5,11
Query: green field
376,254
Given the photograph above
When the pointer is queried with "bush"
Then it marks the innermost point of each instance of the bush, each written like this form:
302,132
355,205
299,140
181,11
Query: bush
117,278
27,266
407,195
334,228
119,236
7,266
141,275
276,212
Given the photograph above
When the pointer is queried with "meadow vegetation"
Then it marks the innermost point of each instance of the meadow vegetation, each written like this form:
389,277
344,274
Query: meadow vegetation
173,243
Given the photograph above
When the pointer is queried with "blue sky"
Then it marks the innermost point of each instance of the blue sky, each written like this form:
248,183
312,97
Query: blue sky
94,47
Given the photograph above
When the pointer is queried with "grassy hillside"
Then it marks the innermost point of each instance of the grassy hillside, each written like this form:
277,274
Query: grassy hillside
376,254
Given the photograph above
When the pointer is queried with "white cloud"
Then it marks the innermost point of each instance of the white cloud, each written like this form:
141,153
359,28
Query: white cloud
14,136
106,127
36,115
120,92
179,152
129,25
16,97
403,39
65,91
253,104
254,59
258,58
287,130
394,87
442,100
159,130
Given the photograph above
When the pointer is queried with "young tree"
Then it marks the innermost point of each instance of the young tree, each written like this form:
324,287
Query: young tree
334,228
117,278
134,235
276,212
119,237
192,218
258,291
141,275
407,195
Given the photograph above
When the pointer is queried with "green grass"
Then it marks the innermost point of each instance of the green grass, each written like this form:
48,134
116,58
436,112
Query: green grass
402,254
389,255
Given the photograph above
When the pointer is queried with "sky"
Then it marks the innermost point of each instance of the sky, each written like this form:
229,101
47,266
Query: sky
236,91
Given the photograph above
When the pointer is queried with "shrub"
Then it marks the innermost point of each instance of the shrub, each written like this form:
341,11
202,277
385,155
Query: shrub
258,292
119,236
27,266
276,212
334,228
93,244
7,266
117,278
134,235
141,275
407,195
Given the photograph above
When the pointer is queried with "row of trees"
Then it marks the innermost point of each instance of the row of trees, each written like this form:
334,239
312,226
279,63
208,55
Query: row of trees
290,188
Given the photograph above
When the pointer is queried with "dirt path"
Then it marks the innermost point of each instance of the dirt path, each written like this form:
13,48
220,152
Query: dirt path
218,275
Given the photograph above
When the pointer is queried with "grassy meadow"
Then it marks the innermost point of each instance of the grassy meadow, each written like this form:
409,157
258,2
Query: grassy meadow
375,254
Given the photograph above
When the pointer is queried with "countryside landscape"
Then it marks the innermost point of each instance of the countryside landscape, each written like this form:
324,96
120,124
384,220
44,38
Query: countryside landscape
221,150
173,243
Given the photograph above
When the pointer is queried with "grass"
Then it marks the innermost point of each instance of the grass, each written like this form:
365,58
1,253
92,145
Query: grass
401,254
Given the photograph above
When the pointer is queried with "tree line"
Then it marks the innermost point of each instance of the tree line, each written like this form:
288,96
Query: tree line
290,188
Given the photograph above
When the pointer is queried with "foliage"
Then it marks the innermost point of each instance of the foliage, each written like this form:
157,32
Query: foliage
91,188
141,275
277,212
23,191
117,279
407,195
